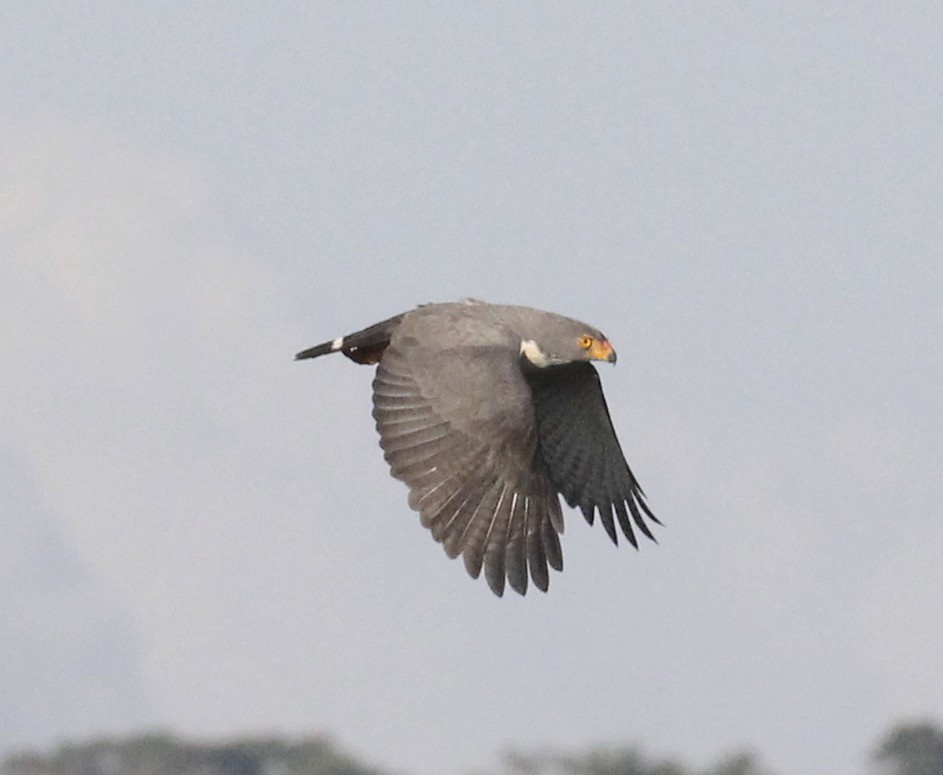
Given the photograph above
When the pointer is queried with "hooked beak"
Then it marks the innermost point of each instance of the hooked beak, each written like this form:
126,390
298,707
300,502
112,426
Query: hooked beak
601,350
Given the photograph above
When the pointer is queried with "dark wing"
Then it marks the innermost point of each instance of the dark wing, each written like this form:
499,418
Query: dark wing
457,426
581,451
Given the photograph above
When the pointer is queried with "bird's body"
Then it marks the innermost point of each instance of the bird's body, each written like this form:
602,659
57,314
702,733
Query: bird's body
487,412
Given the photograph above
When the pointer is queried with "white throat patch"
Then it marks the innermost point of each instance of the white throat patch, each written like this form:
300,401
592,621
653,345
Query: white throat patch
531,350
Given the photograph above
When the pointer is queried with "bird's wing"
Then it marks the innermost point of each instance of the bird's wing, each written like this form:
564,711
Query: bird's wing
581,451
457,426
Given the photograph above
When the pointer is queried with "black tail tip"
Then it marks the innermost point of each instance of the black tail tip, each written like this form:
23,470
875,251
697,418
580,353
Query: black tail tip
311,352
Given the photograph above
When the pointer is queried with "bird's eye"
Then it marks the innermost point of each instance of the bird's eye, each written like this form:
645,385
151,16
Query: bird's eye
586,342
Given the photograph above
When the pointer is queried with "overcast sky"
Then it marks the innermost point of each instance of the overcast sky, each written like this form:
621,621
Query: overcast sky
200,534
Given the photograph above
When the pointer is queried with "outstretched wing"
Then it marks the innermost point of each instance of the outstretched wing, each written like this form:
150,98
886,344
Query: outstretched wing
581,451
457,426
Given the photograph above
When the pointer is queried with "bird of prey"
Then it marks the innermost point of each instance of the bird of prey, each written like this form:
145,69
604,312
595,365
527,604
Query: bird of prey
487,412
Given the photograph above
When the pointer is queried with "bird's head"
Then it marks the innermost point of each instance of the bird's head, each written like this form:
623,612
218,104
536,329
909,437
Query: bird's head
558,340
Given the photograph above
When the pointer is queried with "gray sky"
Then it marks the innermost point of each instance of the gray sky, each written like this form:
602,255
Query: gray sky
201,534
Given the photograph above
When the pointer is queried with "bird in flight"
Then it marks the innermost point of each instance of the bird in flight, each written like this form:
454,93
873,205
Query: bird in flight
488,412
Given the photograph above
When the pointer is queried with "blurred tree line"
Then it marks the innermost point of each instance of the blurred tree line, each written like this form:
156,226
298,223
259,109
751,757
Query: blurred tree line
908,749
164,754
622,761
914,748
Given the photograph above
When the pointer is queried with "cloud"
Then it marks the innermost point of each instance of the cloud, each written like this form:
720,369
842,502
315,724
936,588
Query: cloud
133,338
69,652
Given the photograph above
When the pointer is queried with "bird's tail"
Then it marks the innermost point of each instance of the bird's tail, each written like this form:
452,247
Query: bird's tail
364,346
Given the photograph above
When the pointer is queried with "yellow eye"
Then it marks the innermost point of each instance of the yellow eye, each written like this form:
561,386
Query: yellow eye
586,342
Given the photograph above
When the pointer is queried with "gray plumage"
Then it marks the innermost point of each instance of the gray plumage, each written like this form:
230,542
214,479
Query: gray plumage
487,412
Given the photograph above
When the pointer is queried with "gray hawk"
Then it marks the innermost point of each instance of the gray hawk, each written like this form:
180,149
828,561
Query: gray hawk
487,412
